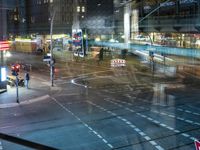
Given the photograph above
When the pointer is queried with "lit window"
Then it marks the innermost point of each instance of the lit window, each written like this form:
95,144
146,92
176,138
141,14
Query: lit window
39,2
78,8
83,9
15,17
32,19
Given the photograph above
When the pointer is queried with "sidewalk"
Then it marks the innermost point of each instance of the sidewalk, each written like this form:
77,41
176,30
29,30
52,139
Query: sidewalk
2,90
38,91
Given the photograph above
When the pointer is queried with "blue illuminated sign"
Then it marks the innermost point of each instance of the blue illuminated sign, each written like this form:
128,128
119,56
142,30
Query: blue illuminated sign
3,74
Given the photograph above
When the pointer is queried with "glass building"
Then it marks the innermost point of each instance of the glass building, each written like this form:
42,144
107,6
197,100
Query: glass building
172,23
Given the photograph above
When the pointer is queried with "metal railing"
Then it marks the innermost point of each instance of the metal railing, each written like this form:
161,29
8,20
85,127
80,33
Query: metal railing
24,142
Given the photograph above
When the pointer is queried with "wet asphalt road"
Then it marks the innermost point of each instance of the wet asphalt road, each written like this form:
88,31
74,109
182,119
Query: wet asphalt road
108,108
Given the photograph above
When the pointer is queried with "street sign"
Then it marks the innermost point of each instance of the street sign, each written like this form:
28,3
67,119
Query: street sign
197,144
49,54
47,58
4,45
118,63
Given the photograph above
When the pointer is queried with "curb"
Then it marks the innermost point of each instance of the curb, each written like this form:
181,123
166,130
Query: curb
2,91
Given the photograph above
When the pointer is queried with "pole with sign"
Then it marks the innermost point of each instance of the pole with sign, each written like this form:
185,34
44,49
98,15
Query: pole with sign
163,54
15,70
151,55
17,89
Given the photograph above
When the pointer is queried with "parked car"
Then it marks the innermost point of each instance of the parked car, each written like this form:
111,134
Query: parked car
11,80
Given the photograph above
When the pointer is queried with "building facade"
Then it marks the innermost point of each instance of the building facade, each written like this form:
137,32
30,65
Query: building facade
99,19
16,18
32,17
174,23
39,15
12,18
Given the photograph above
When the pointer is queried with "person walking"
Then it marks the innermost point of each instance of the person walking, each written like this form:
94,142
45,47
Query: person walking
100,55
27,78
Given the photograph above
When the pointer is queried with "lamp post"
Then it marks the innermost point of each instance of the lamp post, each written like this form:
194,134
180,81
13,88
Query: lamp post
51,49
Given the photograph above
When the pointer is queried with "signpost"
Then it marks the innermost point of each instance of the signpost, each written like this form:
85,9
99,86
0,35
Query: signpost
151,55
15,70
47,58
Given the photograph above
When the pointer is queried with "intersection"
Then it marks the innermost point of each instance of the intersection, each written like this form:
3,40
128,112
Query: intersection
104,108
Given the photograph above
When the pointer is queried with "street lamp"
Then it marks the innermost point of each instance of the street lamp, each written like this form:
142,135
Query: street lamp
51,48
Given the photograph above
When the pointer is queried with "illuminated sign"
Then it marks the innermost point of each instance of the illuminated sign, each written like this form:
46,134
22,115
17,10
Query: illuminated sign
197,144
118,63
77,38
4,45
3,74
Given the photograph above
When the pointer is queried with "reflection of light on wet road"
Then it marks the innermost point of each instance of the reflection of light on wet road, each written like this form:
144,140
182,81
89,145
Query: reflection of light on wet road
84,123
160,97
73,82
84,76
128,123
156,121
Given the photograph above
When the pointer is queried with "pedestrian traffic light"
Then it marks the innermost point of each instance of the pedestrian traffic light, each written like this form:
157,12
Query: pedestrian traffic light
151,53
15,69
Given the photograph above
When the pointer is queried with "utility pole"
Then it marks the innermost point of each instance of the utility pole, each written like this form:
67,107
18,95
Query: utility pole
17,89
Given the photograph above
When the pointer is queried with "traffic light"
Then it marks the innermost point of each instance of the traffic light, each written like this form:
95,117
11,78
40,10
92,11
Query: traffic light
15,69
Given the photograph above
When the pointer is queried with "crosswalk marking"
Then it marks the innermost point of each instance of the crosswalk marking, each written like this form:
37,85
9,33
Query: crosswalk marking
146,137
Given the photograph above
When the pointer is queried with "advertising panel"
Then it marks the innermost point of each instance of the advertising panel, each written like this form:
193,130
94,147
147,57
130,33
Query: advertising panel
77,41
3,74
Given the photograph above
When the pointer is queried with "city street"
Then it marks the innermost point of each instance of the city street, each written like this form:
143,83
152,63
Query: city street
99,74
98,107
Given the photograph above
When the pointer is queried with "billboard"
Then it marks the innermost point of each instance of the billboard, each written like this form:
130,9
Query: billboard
77,39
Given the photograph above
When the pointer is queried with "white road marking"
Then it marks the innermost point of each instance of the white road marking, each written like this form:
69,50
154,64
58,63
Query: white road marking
154,111
188,111
85,124
141,133
156,121
82,76
178,118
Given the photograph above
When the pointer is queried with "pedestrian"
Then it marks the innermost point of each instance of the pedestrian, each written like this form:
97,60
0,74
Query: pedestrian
124,53
100,55
27,78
